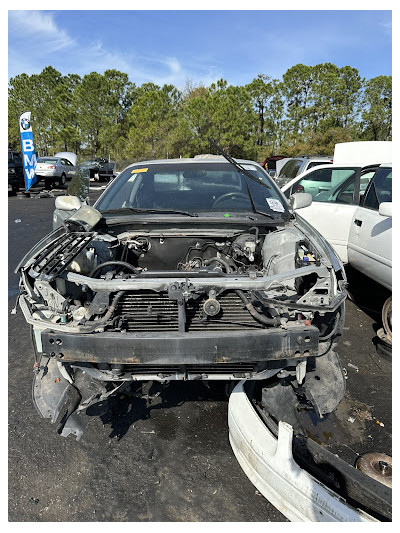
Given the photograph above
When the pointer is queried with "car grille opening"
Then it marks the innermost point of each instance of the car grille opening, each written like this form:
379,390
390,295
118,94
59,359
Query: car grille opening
151,311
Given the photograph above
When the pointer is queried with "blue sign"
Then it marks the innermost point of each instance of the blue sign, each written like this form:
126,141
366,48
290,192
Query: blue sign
28,149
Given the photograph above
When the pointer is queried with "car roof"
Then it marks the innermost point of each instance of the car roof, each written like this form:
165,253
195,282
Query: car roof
313,157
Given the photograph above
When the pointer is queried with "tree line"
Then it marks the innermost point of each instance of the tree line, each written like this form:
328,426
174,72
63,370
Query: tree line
308,111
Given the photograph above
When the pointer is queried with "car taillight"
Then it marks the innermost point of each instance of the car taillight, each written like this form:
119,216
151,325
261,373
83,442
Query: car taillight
52,167
299,188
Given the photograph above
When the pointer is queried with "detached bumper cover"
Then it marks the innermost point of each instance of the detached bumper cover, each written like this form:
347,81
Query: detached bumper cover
268,463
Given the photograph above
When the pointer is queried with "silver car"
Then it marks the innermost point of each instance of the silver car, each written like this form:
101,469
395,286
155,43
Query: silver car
297,165
56,169
185,269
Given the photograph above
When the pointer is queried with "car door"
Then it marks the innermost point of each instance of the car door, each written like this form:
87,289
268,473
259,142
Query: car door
69,169
336,193
370,236
61,167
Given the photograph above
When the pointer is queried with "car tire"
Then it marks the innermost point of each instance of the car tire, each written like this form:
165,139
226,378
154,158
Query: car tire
387,318
383,344
384,350
61,181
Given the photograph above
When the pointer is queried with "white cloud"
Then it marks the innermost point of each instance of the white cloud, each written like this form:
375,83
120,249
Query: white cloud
97,58
40,28
37,39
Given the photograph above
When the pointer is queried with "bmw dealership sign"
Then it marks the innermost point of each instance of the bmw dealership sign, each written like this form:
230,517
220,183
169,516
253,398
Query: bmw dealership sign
28,149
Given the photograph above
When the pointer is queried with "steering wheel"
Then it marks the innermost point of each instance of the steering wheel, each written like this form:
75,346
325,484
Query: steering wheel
222,198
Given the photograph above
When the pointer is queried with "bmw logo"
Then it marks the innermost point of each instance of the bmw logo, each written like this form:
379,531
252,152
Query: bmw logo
25,124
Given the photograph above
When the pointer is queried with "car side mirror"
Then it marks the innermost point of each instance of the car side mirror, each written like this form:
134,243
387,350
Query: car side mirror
68,203
385,209
298,200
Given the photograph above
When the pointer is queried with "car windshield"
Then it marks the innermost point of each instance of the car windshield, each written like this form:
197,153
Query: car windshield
88,163
193,187
47,160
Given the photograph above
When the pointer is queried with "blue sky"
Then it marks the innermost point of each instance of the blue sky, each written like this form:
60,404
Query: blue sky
203,46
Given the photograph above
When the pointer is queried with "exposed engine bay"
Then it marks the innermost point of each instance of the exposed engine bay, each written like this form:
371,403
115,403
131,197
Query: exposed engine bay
109,308
77,280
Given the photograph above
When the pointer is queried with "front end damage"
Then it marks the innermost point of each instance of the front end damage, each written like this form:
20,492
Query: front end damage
115,306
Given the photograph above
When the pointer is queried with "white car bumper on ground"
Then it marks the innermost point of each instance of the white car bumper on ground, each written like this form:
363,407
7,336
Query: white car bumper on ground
268,463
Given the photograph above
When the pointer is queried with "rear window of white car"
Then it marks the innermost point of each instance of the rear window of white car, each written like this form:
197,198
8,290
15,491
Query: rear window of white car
47,160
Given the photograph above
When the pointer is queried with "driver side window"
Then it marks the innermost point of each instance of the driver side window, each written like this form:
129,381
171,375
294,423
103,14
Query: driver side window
324,185
379,190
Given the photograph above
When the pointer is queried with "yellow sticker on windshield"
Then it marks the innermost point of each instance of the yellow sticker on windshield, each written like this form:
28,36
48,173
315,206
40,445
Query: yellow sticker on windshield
137,170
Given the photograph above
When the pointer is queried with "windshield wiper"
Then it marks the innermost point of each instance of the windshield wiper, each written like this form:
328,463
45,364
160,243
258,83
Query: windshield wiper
237,165
244,171
150,210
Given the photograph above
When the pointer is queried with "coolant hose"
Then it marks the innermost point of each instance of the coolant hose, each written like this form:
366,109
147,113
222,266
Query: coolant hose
258,316
113,263
113,306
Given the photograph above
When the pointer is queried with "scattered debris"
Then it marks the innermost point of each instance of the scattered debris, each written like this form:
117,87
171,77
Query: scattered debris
379,423
352,366
45,194
17,220
351,419
361,414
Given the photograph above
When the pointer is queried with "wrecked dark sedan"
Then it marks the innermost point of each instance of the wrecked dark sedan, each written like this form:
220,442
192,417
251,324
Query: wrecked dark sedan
186,269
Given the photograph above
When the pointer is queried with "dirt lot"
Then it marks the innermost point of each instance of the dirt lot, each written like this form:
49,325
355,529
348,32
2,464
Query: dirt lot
172,461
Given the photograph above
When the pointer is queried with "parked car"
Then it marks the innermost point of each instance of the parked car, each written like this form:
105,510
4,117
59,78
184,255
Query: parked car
56,169
100,168
183,269
106,169
279,164
352,209
370,236
270,162
298,165
92,166
15,171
